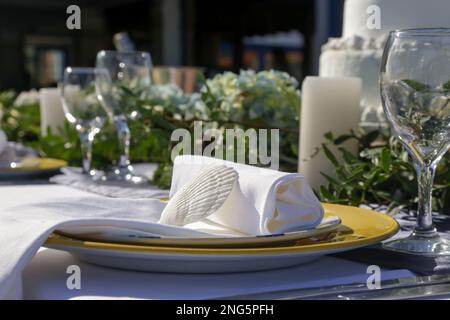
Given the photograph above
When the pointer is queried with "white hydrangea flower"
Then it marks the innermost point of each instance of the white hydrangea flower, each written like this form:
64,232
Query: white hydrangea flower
267,94
27,97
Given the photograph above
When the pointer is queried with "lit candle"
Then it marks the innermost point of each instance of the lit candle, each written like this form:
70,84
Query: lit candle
52,114
328,105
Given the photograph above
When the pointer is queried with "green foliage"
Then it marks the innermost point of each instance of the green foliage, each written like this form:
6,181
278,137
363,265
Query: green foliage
382,174
19,123
267,100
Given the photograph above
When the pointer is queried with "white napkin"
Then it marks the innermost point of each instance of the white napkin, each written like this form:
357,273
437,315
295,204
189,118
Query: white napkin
28,215
263,202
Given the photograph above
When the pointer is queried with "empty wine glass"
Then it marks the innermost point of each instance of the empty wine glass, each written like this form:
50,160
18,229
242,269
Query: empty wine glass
130,75
415,90
83,109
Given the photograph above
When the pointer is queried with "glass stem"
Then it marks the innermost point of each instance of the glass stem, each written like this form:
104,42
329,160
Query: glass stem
425,177
86,150
124,141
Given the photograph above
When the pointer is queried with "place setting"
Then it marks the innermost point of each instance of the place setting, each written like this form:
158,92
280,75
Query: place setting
268,168
220,237
195,230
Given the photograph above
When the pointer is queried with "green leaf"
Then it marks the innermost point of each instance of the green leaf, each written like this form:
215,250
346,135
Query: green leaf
386,159
330,156
347,155
416,85
369,138
357,173
342,139
329,136
127,90
446,86
326,194
330,179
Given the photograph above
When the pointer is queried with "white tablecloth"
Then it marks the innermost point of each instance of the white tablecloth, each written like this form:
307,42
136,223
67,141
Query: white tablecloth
45,277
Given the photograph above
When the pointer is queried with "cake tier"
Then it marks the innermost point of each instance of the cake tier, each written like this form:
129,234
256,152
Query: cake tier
394,14
362,64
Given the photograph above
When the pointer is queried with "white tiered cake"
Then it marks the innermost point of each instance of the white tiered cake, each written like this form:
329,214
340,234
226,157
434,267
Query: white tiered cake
358,53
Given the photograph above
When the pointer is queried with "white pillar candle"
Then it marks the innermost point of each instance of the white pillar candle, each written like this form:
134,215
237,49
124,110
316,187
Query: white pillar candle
52,114
328,105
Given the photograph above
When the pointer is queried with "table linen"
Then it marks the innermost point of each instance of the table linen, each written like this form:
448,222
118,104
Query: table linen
45,278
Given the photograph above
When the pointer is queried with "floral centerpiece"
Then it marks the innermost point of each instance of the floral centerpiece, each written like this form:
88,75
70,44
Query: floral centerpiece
380,173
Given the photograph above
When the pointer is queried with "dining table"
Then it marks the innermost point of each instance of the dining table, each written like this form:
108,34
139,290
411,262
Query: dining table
46,276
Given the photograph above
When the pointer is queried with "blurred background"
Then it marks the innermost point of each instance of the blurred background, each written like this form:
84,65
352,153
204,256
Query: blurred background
36,46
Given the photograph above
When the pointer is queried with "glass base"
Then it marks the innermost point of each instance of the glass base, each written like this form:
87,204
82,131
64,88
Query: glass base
94,174
124,174
431,245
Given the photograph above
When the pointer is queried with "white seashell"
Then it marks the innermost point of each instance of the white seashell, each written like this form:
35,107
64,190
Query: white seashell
201,197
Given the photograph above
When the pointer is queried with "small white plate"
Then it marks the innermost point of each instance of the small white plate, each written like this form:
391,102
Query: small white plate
116,235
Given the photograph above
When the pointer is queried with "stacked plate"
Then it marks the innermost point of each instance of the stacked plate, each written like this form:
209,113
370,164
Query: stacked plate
343,228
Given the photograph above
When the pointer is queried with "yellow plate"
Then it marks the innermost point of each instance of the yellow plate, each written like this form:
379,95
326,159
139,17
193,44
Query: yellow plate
33,166
360,227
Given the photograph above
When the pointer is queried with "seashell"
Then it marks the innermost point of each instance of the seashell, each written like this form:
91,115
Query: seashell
201,197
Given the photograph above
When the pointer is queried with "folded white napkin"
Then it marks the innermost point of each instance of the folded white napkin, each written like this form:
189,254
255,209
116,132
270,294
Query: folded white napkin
263,202
28,215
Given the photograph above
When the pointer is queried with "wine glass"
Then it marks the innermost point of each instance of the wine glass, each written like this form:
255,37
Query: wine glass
415,90
82,108
130,75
